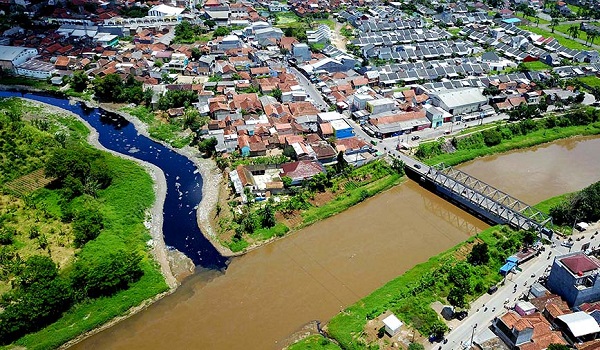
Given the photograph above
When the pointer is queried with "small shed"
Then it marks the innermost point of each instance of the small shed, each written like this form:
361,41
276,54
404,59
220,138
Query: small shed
392,324
524,308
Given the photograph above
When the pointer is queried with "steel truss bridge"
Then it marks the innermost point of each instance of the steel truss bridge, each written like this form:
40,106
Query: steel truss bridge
485,199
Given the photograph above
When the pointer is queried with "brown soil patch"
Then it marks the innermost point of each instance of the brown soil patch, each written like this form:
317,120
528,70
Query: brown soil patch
29,183
400,340
322,198
290,220
462,252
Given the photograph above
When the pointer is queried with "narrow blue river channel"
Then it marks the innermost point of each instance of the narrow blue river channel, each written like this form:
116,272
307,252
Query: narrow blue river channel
184,183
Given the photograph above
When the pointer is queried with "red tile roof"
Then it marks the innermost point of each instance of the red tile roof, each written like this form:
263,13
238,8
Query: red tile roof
580,263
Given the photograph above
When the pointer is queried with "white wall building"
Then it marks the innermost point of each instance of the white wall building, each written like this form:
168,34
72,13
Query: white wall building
163,10
13,56
459,101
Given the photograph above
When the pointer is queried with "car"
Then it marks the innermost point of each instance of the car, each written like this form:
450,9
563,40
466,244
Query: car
567,244
417,166
461,315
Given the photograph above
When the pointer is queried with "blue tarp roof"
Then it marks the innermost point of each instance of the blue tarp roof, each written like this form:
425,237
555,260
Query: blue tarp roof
507,267
512,259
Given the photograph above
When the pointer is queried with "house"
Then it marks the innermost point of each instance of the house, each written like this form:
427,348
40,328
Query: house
459,101
575,278
531,332
301,170
578,327
341,129
380,106
163,10
435,116
301,52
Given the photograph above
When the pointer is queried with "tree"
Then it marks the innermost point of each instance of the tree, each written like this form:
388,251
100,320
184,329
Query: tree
555,21
398,166
456,297
267,216
573,31
222,31
416,346
39,298
208,146
529,12
459,275
196,53
276,93
79,81
108,87
479,255
341,163
287,181
106,274
529,237
87,225
558,347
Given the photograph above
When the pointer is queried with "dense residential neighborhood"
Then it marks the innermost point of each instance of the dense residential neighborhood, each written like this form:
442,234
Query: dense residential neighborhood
310,106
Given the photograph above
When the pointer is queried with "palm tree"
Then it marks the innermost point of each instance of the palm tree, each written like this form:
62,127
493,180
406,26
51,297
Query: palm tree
554,23
574,31
591,36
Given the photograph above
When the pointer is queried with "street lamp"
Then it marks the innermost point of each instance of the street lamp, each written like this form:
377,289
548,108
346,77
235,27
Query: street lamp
472,335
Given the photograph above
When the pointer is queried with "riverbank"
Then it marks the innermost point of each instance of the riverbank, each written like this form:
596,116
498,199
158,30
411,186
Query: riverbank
504,138
137,231
207,168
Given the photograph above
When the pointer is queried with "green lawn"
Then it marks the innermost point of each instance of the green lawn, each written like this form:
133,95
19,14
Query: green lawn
590,81
288,19
536,66
544,206
518,142
564,28
566,42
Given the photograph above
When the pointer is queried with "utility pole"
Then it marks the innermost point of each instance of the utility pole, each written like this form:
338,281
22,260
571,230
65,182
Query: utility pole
472,335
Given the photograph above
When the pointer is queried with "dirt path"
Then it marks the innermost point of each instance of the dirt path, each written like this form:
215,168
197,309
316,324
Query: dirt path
337,39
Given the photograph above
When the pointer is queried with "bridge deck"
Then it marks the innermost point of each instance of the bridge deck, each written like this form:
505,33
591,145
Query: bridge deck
484,196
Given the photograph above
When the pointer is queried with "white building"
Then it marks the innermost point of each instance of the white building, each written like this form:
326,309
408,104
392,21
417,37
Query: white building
36,69
163,10
392,324
459,101
13,56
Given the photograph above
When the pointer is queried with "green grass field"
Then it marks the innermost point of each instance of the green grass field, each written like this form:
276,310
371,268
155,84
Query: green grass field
536,66
590,81
566,42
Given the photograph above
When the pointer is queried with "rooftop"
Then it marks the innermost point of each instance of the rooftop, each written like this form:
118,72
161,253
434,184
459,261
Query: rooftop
580,263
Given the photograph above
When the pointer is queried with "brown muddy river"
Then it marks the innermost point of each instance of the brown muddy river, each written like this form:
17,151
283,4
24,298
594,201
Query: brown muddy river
271,292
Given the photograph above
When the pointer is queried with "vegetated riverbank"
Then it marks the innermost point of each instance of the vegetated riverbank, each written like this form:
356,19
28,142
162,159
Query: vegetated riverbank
511,136
410,295
123,205
247,227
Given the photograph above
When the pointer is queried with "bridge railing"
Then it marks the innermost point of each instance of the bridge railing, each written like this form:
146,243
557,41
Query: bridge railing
509,208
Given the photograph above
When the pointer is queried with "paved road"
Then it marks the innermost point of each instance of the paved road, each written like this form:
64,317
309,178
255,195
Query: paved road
479,319
312,91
